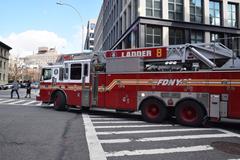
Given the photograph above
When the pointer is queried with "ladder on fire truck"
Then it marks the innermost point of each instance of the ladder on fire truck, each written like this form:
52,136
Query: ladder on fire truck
213,56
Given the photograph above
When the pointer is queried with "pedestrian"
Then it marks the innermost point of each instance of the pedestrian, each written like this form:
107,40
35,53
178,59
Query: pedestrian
28,91
15,88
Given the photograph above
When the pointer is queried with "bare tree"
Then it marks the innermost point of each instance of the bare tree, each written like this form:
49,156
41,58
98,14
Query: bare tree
15,69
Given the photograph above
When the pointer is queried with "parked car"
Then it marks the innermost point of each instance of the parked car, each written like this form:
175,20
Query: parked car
2,87
8,86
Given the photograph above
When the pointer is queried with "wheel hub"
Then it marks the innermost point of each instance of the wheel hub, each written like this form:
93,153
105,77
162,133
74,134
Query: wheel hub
153,111
189,114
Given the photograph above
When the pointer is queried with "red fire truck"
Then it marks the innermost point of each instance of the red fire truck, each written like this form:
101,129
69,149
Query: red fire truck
193,82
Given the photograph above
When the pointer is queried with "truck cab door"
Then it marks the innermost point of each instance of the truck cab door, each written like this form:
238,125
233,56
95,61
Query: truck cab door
85,98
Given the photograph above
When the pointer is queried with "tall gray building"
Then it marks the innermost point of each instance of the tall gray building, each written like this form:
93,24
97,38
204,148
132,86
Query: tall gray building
146,23
4,58
89,42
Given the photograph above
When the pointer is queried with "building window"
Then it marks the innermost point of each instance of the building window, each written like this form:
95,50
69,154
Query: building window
215,13
4,77
136,9
127,41
153,36
92,26
4,65
154,8
0,64
176,36
120,27
125,21
232,15
197,37
233,42
0,76
91,35
129,15
175,9
91,43
196,11
216,37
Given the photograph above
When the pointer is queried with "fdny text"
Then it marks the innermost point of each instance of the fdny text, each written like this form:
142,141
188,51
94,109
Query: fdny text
170,82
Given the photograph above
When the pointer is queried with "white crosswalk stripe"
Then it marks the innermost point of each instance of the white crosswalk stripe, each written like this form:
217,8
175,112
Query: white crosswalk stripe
24,102
106,119
20,101
154,131
159,151
96,150
135,126
31,102
9,100
39,104
167,138
121,132
114,122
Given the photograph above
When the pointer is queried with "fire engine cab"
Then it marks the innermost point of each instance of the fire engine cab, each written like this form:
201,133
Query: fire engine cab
193,82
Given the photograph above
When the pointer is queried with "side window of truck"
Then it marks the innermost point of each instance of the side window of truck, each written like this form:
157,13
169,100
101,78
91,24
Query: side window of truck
76,72
61,72
47,74
65,74
85,70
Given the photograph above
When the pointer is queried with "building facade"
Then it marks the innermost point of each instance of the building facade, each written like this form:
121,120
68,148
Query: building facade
89,42
146,23
44,57
4,59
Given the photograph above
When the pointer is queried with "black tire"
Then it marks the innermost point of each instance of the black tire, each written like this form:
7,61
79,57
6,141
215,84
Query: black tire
190,113
153,110
85,108
59,101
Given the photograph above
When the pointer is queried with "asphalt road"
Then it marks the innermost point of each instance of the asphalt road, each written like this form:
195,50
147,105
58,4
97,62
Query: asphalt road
41,133
37,133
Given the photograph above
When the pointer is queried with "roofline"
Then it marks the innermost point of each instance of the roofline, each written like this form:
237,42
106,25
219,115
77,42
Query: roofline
4,45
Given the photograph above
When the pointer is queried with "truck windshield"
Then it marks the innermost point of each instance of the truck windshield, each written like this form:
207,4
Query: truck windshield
47,74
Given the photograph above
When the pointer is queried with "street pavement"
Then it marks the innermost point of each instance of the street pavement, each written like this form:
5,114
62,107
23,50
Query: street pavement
29,130
114,137
41,133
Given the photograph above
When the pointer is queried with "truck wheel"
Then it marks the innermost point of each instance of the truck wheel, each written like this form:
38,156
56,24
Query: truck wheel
59,101
189,113
153,110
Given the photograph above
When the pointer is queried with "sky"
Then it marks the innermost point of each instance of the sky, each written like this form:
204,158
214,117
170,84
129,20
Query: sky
26,25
